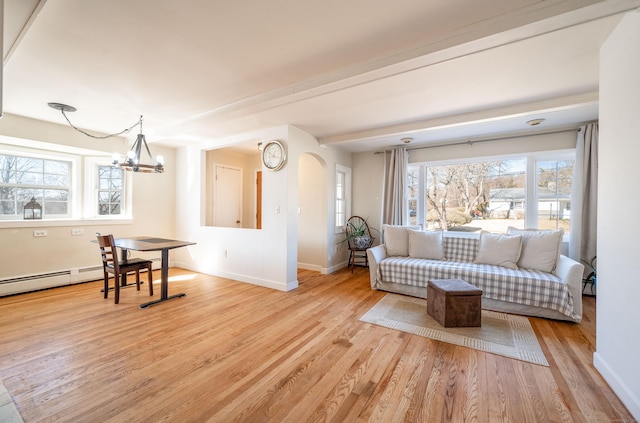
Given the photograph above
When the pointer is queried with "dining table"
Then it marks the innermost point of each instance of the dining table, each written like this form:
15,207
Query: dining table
148,243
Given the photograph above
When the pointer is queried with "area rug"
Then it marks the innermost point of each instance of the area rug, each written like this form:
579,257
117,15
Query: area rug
8,411
503,334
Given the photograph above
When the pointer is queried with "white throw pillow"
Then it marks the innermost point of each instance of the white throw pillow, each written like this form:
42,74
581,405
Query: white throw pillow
540,248
396,240
426,245
499,250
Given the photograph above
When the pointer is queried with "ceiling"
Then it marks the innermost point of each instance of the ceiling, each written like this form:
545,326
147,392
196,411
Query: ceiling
359,75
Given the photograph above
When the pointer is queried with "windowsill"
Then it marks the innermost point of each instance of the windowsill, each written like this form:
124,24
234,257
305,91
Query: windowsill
62,222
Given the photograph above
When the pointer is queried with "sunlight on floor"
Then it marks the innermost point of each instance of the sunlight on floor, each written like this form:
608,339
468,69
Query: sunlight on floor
178,278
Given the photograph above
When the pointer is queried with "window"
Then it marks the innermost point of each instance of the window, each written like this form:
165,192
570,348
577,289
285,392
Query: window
553,189
110,186
107,190
413,193
46,180
343,197
492,194
66,186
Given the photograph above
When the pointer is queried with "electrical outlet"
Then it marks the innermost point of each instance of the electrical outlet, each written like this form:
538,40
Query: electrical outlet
77,231
39,232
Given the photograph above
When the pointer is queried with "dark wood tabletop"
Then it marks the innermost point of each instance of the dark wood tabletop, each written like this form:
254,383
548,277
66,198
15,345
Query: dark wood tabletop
146,243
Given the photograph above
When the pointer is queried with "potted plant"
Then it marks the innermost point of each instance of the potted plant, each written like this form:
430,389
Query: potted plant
357,233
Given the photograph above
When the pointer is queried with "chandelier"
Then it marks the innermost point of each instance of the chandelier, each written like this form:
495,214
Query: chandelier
132,161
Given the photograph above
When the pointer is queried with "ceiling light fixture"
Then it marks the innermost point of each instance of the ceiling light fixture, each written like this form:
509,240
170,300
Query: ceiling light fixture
535,122
406,140
131,162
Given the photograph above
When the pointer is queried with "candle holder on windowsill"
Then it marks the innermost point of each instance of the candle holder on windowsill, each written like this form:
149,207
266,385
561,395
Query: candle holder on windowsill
32,210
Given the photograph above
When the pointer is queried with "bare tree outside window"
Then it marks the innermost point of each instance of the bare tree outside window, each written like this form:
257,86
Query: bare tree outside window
110,186
554,179
458,194
491,195
23,178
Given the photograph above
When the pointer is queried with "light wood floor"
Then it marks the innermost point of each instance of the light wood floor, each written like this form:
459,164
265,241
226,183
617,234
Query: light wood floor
231,351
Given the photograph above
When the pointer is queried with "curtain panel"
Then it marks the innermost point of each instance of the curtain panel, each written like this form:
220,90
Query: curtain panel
394,207
584,198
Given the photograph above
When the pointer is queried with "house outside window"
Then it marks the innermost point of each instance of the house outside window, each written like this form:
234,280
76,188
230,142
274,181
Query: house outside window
24,177
492,194
553,189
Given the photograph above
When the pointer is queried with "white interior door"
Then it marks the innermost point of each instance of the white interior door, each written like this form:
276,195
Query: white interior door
227,197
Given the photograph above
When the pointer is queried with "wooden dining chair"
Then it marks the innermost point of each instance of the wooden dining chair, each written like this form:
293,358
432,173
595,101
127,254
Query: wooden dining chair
111,264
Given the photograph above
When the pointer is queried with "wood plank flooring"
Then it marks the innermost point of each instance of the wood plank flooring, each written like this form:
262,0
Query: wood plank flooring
234,352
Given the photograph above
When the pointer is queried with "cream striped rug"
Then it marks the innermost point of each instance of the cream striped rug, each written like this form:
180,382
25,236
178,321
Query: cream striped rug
503,334
8,411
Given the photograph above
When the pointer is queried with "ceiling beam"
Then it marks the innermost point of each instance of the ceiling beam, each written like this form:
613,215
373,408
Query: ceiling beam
24,28
460,120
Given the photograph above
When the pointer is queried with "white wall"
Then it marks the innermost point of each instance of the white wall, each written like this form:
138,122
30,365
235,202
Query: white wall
618,314
267,257
368,168
153,209
313,208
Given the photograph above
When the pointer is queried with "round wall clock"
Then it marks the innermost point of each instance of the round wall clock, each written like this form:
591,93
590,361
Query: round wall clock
274,155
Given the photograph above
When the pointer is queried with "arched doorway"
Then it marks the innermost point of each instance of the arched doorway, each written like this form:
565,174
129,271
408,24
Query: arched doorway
312,213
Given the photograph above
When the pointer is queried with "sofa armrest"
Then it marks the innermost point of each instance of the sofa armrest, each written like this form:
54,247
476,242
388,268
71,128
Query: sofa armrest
571,272
375,255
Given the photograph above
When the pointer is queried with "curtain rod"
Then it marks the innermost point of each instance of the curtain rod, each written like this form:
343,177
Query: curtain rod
470,142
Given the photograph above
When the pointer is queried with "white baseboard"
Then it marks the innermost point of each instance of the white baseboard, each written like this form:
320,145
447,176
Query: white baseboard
626,395
312,267
36,282
334,268
252,280
322,270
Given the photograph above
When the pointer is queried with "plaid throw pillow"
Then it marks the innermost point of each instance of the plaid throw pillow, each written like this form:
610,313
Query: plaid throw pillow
460,249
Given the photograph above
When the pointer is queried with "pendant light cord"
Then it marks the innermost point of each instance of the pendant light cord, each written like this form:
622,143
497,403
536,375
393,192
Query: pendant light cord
98,137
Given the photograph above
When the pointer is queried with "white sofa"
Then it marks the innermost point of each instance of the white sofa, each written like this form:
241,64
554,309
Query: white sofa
506,267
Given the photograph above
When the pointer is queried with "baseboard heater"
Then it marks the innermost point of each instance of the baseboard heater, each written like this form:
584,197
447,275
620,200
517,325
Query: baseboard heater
27,283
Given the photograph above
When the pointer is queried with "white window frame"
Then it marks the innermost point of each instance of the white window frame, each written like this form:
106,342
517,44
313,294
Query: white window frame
92,165
421,196
346,171
73,185
531,196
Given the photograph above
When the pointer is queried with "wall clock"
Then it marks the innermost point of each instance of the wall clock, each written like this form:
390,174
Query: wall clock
274,155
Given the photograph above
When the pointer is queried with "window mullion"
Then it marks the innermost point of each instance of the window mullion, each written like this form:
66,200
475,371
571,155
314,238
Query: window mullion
531,203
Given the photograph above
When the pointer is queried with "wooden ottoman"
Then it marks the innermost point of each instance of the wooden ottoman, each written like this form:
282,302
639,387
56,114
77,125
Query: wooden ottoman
454,303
